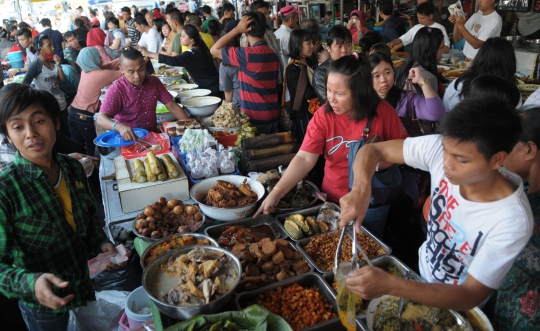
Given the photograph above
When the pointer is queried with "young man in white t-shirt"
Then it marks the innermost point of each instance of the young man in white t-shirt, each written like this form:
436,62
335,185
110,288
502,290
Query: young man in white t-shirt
483,24
478,221
424,12
150,38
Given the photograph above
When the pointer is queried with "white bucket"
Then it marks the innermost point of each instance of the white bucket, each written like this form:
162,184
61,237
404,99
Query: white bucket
141,300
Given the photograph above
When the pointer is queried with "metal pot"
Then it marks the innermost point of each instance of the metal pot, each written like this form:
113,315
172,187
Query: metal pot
153,277
533,45
108,152
516,41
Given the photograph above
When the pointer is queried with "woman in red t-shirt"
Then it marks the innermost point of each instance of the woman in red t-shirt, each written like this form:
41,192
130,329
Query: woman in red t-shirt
351,101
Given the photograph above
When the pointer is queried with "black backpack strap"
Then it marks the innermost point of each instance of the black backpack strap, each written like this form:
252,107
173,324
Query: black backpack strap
365,134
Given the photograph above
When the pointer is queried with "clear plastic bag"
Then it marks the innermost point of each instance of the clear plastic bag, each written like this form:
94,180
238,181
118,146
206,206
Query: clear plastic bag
198,171
210,171
345,299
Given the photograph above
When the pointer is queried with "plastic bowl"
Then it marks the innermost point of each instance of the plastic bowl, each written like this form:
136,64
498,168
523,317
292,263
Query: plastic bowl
202,106
186,95
199,191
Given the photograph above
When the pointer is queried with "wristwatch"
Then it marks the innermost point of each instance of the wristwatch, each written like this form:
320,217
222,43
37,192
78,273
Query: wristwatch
18,70
424,82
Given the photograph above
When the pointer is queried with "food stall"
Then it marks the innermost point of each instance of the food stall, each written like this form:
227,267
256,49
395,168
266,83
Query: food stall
207,262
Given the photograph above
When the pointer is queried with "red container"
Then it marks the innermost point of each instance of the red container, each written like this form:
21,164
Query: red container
227,141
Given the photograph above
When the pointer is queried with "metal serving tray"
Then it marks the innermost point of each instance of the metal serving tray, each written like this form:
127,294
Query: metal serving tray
304,241
385,263
293,247
291,210
306,280
311,211
216,230
197,236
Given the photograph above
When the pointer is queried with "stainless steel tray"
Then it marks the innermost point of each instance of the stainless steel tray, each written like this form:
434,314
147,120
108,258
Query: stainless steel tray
311,211
374,304
216,230
168,238
385,263
290,210
293,247
304,241
152,240
306,280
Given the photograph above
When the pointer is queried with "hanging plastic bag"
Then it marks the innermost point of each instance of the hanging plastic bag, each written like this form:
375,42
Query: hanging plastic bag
345,299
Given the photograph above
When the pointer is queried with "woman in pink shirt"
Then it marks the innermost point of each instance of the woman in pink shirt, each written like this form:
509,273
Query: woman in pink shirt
94,77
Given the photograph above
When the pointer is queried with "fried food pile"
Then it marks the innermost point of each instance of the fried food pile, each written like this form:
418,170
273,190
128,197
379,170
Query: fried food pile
268,261
227,195
239,234
227,116
202,277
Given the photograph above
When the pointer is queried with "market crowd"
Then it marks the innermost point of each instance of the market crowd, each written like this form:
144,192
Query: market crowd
465,152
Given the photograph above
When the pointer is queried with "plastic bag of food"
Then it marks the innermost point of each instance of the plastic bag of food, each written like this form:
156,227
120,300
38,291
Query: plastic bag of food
198,171
345,299
227,166
210,171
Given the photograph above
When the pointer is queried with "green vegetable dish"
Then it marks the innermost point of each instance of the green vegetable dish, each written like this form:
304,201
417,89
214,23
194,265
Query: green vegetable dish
253,318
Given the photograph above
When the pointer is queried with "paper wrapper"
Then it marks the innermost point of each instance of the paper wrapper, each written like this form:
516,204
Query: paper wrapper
456,9
99,264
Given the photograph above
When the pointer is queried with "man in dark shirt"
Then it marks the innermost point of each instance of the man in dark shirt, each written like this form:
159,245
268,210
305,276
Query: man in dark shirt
80,31
74,47
55,36
393,27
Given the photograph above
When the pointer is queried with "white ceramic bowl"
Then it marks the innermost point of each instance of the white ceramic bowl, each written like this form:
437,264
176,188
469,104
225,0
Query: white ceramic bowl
218,132
182,87
186,95
202,106
199,191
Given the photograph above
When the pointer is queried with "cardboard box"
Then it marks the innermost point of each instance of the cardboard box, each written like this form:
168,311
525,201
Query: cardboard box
136,196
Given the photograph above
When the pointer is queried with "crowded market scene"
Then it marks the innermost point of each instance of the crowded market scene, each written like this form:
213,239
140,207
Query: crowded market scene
270,165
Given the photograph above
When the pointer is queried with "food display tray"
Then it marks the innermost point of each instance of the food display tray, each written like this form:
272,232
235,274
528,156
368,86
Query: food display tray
215,231
311,211
306,280
294,210
385,263
135,196
149,249
152,240
304,241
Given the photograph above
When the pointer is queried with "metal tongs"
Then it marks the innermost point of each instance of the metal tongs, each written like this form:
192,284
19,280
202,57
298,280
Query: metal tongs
401,302
355,247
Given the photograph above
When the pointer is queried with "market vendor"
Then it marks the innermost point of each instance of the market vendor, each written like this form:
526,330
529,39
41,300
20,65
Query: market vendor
351,101
133,98
48,216
479,220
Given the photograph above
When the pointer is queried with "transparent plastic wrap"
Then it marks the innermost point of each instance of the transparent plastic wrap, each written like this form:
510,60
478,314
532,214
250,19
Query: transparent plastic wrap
210,170
345,299
328,212
227,164
247,131
198,171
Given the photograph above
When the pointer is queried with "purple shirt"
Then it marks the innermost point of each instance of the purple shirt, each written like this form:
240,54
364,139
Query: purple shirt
430,109
135,107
